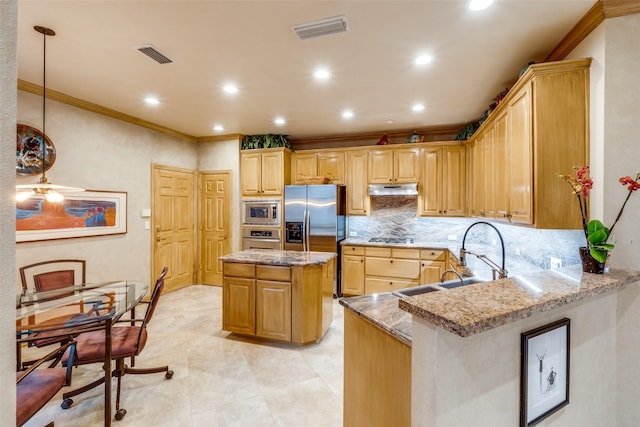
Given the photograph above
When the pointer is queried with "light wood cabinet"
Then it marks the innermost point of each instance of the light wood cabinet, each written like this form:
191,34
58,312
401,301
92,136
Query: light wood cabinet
331,165
443,181
303,165
356,180
373,356
394,166
539,130
432,265
265,172
285,303
352,270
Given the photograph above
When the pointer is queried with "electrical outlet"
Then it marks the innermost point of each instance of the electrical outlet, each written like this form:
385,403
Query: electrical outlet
353,234
452,237
555,262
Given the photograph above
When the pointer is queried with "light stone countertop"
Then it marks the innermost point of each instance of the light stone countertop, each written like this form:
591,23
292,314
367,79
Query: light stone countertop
274,257
480,307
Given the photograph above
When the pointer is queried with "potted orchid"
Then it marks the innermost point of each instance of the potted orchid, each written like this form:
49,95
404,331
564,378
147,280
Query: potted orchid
596,233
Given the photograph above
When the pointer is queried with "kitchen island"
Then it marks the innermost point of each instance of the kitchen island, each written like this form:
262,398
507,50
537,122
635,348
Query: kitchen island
465,345
278,295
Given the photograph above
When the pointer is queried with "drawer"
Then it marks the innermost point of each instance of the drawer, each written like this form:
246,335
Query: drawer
433,254
353,250
394,268
405,253
379,252
273,272
234,269
377,285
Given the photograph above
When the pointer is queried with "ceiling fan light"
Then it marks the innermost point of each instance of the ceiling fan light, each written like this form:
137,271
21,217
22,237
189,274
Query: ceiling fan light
54,197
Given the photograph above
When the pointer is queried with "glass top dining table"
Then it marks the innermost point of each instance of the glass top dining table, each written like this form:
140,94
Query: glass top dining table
69,311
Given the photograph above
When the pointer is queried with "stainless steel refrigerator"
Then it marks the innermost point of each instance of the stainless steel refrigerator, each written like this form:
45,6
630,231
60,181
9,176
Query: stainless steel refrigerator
314,220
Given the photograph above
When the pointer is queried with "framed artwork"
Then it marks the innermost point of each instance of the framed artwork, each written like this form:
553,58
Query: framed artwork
85,214
544,382
30,151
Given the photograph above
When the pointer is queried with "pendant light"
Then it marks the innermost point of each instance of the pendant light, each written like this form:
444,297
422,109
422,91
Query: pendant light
51,192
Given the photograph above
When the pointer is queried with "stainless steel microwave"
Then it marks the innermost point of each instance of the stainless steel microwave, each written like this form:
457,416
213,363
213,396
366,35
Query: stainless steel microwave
263,212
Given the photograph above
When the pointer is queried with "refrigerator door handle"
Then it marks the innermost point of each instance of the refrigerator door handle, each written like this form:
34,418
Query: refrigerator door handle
307,231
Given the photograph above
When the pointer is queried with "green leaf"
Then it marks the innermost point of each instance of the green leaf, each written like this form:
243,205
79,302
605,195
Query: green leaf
599,255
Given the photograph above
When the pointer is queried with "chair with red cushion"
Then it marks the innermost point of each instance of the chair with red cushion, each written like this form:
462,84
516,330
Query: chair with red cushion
126,342
35,387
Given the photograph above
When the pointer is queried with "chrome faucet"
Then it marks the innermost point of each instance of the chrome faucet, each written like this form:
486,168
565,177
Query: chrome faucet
496,269
454,272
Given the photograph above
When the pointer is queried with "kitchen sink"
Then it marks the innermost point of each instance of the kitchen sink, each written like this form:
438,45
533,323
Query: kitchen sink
438,286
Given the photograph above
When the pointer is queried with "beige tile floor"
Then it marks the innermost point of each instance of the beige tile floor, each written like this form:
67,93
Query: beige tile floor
220,379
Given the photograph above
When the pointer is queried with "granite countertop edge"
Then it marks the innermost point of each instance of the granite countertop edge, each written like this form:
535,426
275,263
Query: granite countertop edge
278,257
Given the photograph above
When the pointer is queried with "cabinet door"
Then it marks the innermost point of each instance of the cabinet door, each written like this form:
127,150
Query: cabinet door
520,157
431,192
239,300
380,166
500,179
331,165
357,186
251,174
302,166
453,181
375,285
478,166
489,208
406,165
352,275
272,173
430,271
273,310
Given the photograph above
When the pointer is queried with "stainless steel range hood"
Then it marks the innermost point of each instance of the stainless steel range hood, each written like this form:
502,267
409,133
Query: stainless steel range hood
393,189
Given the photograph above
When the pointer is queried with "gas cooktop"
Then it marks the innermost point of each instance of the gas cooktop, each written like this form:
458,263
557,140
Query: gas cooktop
400,240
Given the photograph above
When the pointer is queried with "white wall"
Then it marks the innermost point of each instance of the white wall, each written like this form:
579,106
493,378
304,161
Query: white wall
475,381
221,156
8,76
99,153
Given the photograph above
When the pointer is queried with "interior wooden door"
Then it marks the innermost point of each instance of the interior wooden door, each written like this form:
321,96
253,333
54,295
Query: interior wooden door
173,225
215,236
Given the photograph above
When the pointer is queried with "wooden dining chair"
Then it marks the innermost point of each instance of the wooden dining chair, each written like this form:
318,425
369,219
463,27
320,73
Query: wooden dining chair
36,386
126,342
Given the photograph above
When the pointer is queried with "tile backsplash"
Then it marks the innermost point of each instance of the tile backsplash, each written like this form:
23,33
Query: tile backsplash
526,249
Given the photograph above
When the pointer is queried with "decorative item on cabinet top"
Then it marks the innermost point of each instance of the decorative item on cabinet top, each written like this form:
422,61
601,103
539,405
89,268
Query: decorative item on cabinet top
253,142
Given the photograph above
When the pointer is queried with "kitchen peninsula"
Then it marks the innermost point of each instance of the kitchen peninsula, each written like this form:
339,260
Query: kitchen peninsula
464,345
278,295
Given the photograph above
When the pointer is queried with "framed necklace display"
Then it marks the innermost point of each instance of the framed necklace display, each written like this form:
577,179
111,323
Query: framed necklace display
30,153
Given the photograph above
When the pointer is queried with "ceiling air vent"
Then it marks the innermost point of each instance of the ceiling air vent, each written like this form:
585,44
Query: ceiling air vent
322,27
154,54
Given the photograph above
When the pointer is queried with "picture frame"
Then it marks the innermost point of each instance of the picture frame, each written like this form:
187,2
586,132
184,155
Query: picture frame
544,382
83,214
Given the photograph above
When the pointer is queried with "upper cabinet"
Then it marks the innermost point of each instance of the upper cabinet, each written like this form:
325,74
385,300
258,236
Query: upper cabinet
326,164
394,165
331,165
303,165
356,179
539,130
442,182
265,172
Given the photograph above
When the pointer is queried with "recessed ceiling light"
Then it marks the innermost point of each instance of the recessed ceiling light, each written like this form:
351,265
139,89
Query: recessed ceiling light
417,107
422,59
479,4
322,74
218,128
230,88
150,100
390,121
347,114
279,121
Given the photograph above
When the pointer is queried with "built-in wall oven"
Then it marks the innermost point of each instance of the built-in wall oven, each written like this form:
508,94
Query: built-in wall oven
261,212
260,238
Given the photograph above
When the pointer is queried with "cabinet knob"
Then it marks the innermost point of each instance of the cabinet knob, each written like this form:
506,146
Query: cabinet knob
390,283
391,261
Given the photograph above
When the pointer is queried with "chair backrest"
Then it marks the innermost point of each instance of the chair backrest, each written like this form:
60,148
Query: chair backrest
155,296
54,274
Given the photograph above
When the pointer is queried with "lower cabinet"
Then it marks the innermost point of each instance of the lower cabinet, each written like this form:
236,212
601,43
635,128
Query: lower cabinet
377,376
276,302
375,269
